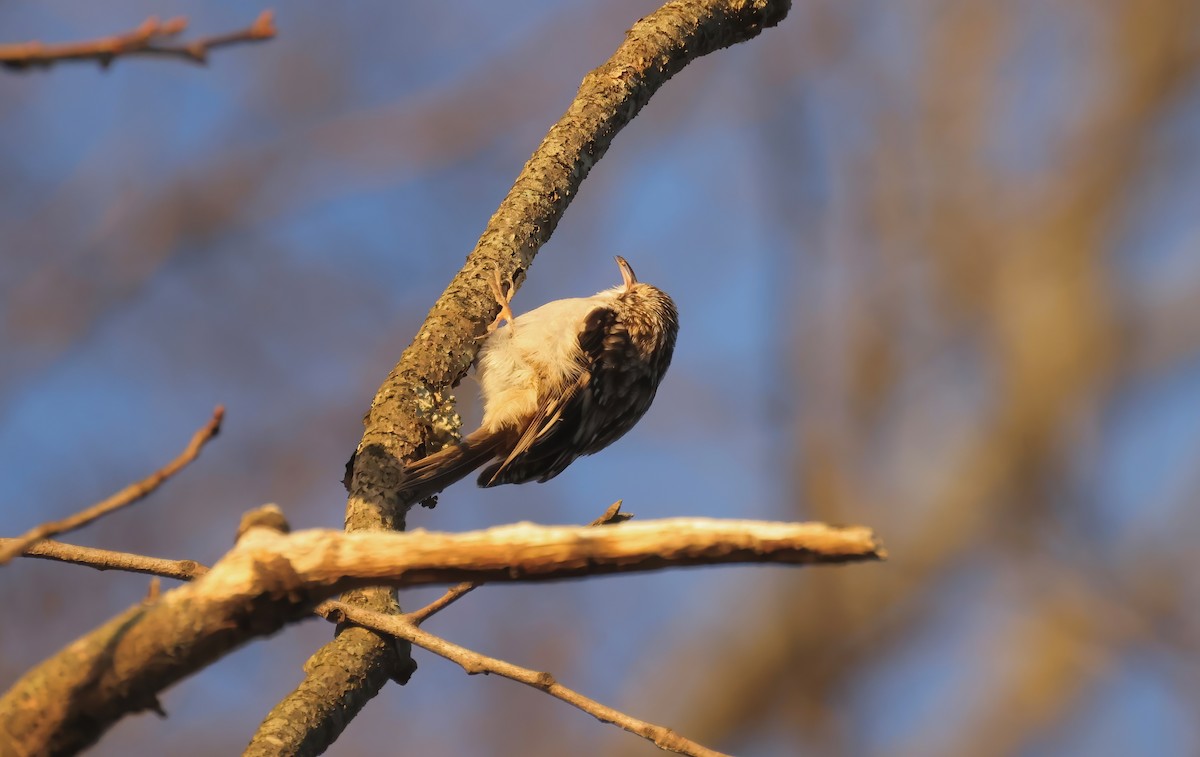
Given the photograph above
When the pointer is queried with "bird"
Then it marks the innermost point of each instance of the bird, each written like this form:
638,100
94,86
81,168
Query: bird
561,381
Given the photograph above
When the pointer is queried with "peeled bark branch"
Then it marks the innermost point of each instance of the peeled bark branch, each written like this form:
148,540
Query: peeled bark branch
271,579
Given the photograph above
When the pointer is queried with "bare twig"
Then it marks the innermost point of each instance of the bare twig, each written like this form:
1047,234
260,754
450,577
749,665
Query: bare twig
612,515
123,498
147,39
452,595
104,559
474,663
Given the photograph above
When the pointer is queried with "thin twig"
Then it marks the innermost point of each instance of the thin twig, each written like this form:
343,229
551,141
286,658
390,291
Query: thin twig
106,559
452,595
147,39
123,498
474,663
612,515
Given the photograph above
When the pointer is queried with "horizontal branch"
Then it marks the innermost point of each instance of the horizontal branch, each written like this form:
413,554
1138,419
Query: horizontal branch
271,579
107,559
127,496
319,559
149,38
611,516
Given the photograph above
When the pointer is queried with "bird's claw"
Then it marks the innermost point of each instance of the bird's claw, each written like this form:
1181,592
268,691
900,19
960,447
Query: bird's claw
504,298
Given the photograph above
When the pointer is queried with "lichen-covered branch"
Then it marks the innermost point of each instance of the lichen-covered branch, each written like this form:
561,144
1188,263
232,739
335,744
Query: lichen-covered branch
412,400
657,47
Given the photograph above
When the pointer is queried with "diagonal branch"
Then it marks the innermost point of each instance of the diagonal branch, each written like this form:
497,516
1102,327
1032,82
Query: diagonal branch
474,663
271,579
127,496
149,38
344,674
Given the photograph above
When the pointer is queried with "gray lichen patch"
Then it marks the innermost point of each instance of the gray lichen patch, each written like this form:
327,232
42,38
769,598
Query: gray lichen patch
436,410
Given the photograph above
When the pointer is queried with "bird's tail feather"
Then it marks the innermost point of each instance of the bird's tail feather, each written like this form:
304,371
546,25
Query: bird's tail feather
425,477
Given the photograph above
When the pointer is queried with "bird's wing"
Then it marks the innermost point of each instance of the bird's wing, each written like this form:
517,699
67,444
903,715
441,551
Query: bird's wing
604,402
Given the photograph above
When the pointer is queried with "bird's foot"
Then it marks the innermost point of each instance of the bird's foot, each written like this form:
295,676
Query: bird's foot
504,298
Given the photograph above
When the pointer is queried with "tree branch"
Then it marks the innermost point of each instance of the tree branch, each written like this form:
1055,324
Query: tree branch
411,405
148,39
321,562
105,559
123,498
271,579
474,663
611,516
403,627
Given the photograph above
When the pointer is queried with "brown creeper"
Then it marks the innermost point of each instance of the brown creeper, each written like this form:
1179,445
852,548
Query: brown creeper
561,381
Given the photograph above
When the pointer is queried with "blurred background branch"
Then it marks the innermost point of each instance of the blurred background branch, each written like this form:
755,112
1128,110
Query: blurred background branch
151,37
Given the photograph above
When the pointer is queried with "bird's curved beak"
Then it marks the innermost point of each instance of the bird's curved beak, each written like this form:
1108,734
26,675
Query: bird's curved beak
627,274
